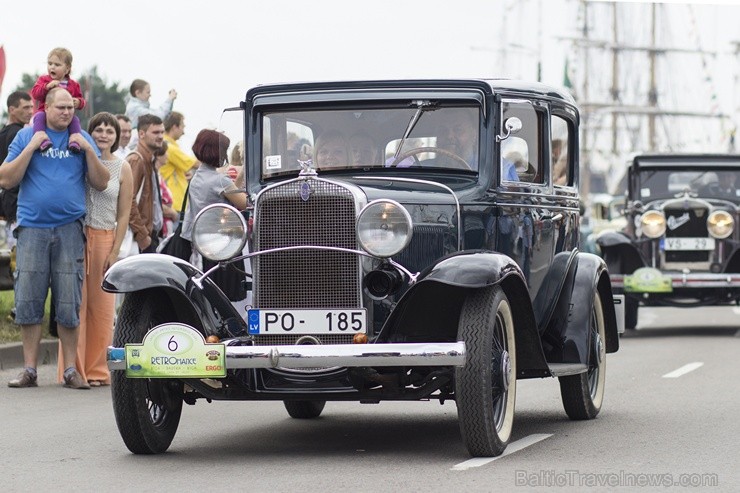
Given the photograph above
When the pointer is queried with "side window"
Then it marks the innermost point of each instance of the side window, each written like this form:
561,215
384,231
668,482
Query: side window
560,158
520,153
284,143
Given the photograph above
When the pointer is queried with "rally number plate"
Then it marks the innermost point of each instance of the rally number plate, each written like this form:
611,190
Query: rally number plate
276,322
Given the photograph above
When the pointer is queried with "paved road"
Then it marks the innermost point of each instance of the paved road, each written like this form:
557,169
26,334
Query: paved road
665,419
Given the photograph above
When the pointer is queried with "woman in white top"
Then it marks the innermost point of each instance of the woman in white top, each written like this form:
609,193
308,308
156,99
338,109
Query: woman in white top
209,186
106,223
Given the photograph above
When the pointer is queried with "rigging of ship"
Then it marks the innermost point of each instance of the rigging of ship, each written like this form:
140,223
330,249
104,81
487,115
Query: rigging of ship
649,79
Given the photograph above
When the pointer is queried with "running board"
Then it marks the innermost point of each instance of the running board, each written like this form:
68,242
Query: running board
566,369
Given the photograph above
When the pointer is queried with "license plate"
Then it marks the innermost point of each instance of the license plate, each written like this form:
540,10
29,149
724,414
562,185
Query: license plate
688,244
276,322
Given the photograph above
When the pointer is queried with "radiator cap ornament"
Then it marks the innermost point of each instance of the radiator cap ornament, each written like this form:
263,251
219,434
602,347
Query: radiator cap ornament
305,191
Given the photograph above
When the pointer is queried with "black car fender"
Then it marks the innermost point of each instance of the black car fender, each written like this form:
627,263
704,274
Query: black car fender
619,252
430,309
202,306
591,279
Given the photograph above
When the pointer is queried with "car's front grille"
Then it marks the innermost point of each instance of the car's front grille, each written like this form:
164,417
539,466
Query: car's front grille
306,278
686,223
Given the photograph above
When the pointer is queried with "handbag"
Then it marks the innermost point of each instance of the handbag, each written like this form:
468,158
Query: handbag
175,244
128,245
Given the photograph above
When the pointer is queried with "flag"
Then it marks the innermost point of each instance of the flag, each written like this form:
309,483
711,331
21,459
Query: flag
2,66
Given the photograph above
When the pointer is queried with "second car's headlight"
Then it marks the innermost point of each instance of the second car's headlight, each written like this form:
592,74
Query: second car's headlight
720,224
384,228
653,224
219,232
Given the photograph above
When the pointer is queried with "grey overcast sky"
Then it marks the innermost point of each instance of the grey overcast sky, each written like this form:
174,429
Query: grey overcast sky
211,52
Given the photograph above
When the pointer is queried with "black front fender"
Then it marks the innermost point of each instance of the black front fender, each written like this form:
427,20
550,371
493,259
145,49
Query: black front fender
430,309
148,271
203,306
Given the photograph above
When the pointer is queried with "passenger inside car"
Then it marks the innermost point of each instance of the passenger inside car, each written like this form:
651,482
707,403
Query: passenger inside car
331,150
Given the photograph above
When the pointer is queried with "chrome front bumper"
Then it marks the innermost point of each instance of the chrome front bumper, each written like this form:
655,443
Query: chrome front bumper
689,280
322,356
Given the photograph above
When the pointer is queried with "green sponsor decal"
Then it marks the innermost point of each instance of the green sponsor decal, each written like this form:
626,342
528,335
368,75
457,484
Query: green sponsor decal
647,280
175,350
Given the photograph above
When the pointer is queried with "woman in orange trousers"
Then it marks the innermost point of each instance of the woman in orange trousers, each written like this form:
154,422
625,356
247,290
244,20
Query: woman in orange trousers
106,223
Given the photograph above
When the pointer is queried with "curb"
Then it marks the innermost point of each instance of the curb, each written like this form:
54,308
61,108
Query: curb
11,354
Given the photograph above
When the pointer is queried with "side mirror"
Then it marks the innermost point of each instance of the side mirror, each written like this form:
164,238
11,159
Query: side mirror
511,125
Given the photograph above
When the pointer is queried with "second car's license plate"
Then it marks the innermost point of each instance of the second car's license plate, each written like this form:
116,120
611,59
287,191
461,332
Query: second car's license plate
689,244
264,322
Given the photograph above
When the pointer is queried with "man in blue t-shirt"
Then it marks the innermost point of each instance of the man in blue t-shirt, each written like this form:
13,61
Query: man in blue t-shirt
51,210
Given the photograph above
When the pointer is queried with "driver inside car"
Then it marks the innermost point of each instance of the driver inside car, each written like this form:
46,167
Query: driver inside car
459,135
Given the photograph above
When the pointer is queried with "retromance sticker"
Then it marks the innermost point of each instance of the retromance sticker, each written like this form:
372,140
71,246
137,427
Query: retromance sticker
175,350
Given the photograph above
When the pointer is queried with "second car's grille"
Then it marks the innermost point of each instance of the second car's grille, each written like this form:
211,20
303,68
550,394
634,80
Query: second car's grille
306,278
690,223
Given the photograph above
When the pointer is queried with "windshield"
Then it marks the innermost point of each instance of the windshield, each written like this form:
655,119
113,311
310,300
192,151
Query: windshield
666,183
420,135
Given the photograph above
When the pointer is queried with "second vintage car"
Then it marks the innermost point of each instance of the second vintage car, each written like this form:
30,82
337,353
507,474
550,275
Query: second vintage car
681,244
410,240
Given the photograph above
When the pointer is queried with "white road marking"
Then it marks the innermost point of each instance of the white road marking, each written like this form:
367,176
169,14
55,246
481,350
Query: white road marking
683,370
512,447
736,309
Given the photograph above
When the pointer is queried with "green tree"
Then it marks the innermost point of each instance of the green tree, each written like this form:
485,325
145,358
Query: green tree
98,93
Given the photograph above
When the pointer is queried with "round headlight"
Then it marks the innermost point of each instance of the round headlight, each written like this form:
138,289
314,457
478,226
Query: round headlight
653,224
720,224
219,232
384,228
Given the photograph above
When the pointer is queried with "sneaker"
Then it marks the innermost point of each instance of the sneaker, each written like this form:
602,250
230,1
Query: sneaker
74,148
73,380
24,379
45,145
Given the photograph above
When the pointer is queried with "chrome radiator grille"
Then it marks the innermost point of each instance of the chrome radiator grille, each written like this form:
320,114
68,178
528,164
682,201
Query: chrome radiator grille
306,278
695,227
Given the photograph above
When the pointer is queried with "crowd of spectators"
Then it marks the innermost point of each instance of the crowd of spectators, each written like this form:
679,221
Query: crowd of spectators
117,190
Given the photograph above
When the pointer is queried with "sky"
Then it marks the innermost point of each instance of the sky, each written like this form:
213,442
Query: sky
213,52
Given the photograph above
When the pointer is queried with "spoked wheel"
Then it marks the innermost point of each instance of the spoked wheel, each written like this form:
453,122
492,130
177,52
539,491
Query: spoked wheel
583,394
485,387
147,410
304,409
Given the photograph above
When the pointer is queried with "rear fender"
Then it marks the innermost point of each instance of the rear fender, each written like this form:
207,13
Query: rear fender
591,279
204,307
620,253
430,309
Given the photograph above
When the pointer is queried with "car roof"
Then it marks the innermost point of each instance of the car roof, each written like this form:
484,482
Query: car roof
686,160
534,89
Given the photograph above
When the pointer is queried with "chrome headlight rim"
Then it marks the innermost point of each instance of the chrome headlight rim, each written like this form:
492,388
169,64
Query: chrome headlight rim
243,236
712,224
368,209
653,224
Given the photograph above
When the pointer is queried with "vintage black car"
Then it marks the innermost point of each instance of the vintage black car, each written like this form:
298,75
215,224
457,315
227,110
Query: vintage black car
680,246
410,240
